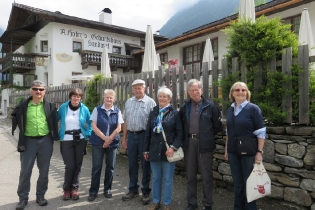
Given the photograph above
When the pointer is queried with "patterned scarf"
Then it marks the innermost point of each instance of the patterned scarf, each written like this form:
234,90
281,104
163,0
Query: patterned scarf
157,124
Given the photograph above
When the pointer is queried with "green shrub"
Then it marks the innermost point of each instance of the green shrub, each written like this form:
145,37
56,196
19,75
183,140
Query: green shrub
256,44
92,96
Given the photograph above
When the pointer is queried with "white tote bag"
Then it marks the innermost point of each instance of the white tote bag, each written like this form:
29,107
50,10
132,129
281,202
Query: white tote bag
258,183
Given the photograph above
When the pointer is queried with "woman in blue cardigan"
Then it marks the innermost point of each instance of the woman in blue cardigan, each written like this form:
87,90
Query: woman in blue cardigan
75,129
244,118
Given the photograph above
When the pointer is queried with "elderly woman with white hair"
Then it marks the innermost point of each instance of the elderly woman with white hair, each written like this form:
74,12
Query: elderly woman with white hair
106,125
165,118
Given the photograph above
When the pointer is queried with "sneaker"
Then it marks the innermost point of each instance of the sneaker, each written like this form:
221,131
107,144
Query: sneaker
129,196
167,207
146,198
75,194
154,206
66,195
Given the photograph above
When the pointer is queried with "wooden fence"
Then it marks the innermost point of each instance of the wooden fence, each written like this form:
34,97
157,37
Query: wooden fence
122,85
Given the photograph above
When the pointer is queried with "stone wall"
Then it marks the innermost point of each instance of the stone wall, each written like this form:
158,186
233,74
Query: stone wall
289,158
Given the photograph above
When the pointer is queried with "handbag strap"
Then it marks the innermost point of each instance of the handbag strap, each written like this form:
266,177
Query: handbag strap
166,144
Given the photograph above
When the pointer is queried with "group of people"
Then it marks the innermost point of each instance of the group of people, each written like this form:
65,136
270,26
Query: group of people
147,127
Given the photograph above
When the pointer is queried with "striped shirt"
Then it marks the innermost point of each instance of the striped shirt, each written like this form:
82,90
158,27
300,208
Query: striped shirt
137,112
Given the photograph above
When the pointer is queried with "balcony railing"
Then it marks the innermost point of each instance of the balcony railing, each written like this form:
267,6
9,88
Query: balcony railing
115,60
19,62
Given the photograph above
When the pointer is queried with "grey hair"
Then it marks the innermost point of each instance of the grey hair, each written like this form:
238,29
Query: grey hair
193,81
109,91
165,91
38,83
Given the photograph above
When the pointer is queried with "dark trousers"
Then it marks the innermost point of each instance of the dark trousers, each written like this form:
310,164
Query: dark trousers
193,158
72,153
135,149
41,150
241,167
97,163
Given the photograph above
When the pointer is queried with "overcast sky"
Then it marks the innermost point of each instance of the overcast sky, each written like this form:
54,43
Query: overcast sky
136,14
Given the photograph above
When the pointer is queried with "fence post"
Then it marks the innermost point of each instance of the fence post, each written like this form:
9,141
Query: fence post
235,68
304,82
197,71
225,97
205,80
181,85
188,73
167,77
174,88
215,75
151,84
243,71
287,98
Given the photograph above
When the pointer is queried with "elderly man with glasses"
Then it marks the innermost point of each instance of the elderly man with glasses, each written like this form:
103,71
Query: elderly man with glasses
201,120
37,122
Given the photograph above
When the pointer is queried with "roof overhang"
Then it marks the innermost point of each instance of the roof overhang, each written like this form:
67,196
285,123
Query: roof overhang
21,32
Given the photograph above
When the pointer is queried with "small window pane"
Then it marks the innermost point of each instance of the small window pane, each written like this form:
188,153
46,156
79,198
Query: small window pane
77,46
44,46
116,50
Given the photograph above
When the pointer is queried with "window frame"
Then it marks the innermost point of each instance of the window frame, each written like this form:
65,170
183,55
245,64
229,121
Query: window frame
193,51
42,44
76,74
291,19
217,48
164,57
116,47
74,49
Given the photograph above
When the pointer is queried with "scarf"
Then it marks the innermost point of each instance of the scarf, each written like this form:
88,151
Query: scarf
157,124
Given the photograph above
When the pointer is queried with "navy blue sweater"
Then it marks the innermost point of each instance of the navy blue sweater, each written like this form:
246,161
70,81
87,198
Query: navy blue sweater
245,123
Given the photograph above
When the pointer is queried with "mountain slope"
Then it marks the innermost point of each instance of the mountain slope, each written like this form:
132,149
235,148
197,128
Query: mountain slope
203,12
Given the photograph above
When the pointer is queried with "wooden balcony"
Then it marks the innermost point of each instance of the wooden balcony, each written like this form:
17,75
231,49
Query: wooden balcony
126,62
21,63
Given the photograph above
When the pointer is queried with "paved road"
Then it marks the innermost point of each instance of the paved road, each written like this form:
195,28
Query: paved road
9,175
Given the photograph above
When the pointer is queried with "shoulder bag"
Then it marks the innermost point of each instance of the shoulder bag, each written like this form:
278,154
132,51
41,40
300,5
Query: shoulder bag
245,145
178,154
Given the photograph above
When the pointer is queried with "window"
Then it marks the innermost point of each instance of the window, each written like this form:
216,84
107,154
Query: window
77,46
163,58
75,74
215,48
44,46
295,23
192,54
116,50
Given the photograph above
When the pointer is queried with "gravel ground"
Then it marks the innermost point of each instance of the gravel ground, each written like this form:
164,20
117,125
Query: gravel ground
9,162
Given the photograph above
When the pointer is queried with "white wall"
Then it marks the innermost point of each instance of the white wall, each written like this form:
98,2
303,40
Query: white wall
5,98
60,38
92,40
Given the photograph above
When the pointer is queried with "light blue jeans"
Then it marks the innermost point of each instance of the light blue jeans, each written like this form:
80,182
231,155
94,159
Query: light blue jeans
163,169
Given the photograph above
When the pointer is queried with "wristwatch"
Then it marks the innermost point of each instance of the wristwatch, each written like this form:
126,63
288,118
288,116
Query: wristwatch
261,151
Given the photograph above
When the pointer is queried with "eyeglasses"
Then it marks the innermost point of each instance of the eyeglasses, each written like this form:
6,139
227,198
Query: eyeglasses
38,89
238,90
